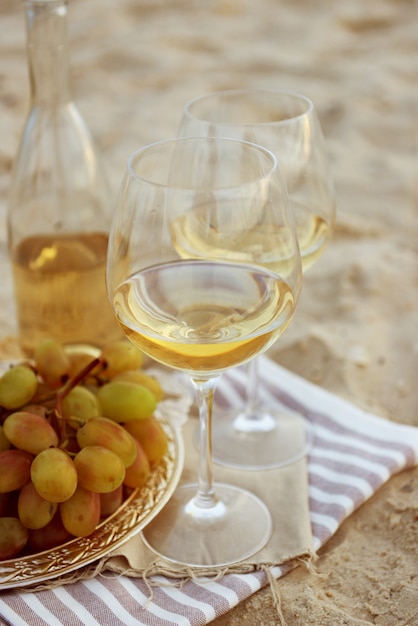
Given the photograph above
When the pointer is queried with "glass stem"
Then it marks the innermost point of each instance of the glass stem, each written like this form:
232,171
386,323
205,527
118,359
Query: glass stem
254,419
205,392
253,387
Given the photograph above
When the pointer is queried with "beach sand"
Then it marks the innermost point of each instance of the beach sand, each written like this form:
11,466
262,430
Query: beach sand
134,64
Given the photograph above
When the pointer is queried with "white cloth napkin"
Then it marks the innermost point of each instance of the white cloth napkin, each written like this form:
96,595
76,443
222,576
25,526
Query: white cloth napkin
353,454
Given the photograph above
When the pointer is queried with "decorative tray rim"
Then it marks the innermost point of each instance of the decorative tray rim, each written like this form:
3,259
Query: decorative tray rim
137,510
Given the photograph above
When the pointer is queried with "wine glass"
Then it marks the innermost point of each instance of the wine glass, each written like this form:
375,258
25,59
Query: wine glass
258,436
203,273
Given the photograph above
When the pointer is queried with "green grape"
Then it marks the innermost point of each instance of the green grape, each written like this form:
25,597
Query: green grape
15,466
52,363
99,469
4,442
17,386
38,409
136,475
78,361
142,378
80,403
34,512
13,537
80,514
54,475
44,396
121,355
152,437
101,431
30,432
111,501
52,535
123,401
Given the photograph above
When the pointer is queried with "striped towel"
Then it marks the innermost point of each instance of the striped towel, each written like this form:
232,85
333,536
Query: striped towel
353,454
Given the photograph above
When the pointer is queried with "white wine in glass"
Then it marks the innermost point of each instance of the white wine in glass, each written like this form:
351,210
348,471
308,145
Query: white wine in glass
205,311
258,436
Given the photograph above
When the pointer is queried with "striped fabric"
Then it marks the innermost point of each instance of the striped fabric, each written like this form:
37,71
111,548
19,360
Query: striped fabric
353,454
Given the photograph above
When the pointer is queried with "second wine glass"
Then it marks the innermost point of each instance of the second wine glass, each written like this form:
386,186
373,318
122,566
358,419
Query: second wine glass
191,289
260,436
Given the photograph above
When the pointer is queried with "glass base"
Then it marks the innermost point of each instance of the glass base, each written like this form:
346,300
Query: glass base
235,528
271,440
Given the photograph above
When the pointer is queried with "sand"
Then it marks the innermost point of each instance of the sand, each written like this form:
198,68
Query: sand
134,64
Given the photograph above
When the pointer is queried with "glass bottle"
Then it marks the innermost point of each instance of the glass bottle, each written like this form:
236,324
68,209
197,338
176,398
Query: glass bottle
60,206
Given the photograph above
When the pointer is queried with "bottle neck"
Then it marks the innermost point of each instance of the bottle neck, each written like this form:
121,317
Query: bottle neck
47,50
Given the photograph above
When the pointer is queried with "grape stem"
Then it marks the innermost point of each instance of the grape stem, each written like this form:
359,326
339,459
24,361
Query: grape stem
65,390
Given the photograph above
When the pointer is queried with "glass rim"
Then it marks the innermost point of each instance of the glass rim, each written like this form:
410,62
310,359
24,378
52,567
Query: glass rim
249,91
135,175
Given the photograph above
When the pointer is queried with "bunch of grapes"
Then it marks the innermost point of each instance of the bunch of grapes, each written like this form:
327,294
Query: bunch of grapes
77,434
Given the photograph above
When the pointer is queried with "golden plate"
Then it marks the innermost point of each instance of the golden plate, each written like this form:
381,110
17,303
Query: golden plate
132,516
